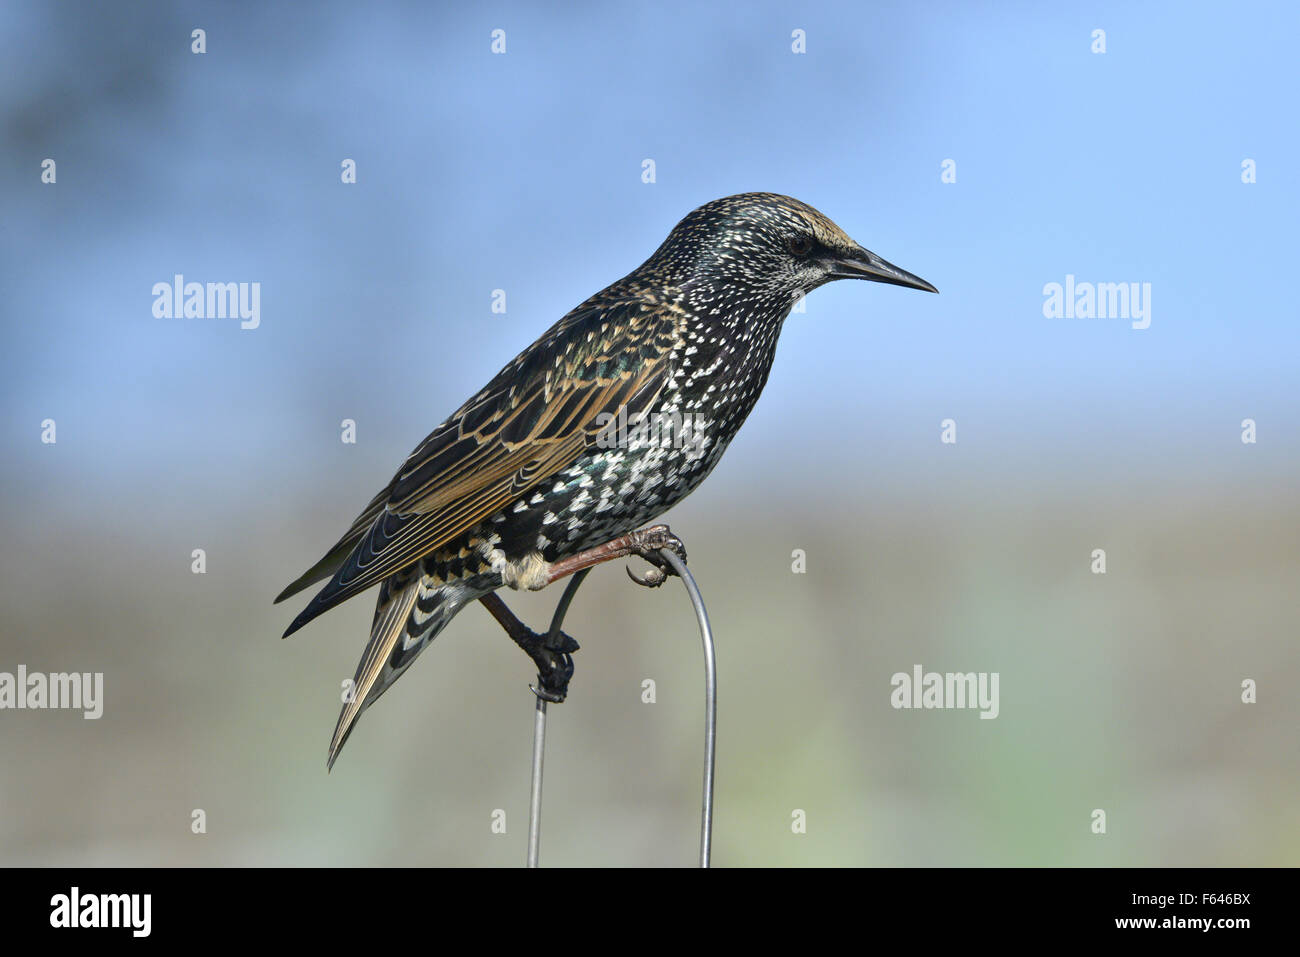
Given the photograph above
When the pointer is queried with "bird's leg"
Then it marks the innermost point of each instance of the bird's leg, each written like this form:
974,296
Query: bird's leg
554,665
645,542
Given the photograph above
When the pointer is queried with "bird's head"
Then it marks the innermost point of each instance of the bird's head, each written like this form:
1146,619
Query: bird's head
768,244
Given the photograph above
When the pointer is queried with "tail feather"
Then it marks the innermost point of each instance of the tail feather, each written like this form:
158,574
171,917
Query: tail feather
391,616
412,609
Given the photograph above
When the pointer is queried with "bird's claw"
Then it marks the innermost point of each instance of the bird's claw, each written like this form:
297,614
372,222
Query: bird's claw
653,578
554,664
553,673
648,543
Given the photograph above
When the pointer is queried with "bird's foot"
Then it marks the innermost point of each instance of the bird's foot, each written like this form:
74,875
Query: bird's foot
647,543
554,660
554,664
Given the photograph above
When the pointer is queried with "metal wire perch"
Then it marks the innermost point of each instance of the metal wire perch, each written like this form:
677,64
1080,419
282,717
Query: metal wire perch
710,710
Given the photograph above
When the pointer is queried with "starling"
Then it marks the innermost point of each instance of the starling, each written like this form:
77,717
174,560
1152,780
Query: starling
551,468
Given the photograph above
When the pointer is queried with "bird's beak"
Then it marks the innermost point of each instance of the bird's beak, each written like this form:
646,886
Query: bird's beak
862,263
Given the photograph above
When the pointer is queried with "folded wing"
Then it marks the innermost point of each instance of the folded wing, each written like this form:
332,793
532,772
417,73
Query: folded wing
534,419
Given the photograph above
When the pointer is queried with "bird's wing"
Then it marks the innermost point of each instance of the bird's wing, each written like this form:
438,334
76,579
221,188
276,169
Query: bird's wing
535,418
341,549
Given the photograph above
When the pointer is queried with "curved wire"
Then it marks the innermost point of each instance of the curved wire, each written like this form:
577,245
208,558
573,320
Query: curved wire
710,711
710,701
539,724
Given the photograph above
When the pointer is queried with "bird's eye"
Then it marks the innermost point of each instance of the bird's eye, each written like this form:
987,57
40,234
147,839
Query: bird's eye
799,245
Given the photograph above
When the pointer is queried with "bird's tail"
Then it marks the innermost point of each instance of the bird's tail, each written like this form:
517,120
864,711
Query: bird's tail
412,609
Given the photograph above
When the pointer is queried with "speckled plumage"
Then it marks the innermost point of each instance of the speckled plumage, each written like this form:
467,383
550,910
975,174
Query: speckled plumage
522,475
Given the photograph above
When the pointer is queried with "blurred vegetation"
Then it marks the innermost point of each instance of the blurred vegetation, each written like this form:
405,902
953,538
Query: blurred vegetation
1118,692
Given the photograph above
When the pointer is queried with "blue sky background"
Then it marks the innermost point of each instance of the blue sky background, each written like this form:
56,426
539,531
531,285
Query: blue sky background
523,172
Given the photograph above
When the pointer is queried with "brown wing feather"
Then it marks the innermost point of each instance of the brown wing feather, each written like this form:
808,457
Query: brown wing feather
534,419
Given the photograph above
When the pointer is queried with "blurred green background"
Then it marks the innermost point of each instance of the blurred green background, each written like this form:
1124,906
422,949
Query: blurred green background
523,172
1117,692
